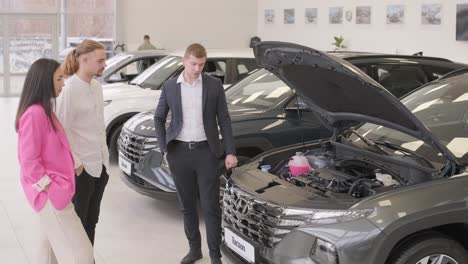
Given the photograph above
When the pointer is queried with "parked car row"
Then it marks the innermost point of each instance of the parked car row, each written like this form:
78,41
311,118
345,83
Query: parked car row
386,182
266,114
344,210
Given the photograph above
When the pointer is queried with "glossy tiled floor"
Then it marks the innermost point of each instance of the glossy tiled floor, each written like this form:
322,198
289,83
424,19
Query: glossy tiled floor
132,229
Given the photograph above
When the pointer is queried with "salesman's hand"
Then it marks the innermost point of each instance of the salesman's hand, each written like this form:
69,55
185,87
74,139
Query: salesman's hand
231,161
79,170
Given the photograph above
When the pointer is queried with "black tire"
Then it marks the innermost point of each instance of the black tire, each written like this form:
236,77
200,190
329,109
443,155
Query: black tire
429,248
113,144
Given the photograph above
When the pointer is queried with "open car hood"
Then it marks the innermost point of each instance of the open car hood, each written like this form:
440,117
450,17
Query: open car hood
338,91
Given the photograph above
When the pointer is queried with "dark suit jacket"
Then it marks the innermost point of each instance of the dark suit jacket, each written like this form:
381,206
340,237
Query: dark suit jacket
215,112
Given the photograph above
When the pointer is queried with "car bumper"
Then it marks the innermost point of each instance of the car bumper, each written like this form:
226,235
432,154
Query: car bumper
356,242
149,179
153,192
232,258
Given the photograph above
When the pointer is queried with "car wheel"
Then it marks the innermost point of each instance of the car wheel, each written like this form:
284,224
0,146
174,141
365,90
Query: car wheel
113,144
432,248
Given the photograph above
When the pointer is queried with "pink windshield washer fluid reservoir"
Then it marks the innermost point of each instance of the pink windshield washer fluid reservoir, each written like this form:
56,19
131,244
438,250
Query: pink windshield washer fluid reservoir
299,164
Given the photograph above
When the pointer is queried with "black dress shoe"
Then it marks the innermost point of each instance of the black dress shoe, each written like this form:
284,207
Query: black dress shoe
192,256
216,261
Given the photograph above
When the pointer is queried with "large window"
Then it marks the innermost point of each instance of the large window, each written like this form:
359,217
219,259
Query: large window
88,19
31,29
28,6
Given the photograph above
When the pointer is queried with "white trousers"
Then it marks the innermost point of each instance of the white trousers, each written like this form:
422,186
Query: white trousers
63,238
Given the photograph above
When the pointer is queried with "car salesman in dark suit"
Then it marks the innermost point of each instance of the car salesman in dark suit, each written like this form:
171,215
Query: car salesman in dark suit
198,105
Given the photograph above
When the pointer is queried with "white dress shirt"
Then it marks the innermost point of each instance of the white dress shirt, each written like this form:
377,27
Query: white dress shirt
80,109
192,110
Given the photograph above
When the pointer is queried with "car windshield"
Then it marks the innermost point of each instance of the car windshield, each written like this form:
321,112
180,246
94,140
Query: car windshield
260,90
156,75
442,107
111,62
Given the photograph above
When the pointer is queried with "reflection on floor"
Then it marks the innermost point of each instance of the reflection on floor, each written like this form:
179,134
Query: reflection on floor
132,228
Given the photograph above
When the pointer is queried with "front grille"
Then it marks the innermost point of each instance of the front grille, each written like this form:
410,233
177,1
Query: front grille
135,147
261,221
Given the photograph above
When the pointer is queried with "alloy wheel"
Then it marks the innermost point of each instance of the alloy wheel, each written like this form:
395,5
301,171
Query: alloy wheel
437,259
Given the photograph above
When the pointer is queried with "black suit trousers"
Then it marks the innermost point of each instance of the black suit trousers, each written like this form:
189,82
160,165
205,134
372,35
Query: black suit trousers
196,173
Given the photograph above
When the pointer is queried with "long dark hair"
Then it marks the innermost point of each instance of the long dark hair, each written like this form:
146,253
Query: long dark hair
39,89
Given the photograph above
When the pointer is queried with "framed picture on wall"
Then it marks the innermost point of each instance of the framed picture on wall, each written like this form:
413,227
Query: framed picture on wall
395,14
335,15
311,15
363,15
431,14
269,16
289,16
462,22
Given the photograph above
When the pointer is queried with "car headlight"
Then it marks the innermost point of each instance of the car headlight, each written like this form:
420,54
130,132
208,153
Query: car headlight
324,252
312,216
107,102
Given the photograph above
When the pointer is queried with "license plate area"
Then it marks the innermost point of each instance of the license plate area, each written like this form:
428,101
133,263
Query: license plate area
125,165
241,246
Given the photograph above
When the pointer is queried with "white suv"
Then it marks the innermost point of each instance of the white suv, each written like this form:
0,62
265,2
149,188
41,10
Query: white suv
124,100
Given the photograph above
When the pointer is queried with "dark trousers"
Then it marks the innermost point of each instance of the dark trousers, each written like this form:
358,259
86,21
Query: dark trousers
196,175
87,199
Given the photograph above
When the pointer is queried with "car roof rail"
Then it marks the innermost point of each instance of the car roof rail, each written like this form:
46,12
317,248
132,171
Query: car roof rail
454,73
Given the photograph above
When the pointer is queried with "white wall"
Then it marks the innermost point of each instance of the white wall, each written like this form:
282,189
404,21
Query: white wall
408,38
174,24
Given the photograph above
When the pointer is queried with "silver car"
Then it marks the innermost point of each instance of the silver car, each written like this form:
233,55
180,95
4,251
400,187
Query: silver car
389,187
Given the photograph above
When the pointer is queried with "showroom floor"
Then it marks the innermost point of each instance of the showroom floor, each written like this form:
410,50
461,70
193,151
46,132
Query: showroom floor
132,228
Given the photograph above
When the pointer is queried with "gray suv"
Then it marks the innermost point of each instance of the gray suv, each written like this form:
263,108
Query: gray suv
392,190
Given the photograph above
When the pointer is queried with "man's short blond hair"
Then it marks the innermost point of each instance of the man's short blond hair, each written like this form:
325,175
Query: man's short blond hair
195,49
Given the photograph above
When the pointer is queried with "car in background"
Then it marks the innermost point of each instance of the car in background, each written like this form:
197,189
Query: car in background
266,114
124,100
392,190
124,67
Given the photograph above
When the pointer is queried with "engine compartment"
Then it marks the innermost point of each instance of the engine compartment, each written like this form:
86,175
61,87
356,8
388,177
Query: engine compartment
337,168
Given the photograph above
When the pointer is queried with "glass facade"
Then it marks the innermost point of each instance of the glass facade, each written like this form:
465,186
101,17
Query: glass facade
31,29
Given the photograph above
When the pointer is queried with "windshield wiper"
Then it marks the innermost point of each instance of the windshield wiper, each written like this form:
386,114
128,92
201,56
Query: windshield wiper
422,160
369,142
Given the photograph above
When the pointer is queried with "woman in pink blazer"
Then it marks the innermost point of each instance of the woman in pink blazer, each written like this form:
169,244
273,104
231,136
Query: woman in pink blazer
47,168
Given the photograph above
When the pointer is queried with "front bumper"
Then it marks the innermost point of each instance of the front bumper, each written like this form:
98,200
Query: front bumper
357,242
137,184
149,179
260,226
231,257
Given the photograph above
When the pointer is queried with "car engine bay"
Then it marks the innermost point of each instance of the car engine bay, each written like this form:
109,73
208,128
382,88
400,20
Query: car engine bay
338,168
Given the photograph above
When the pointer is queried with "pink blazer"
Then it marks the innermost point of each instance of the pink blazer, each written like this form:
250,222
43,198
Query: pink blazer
44,151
